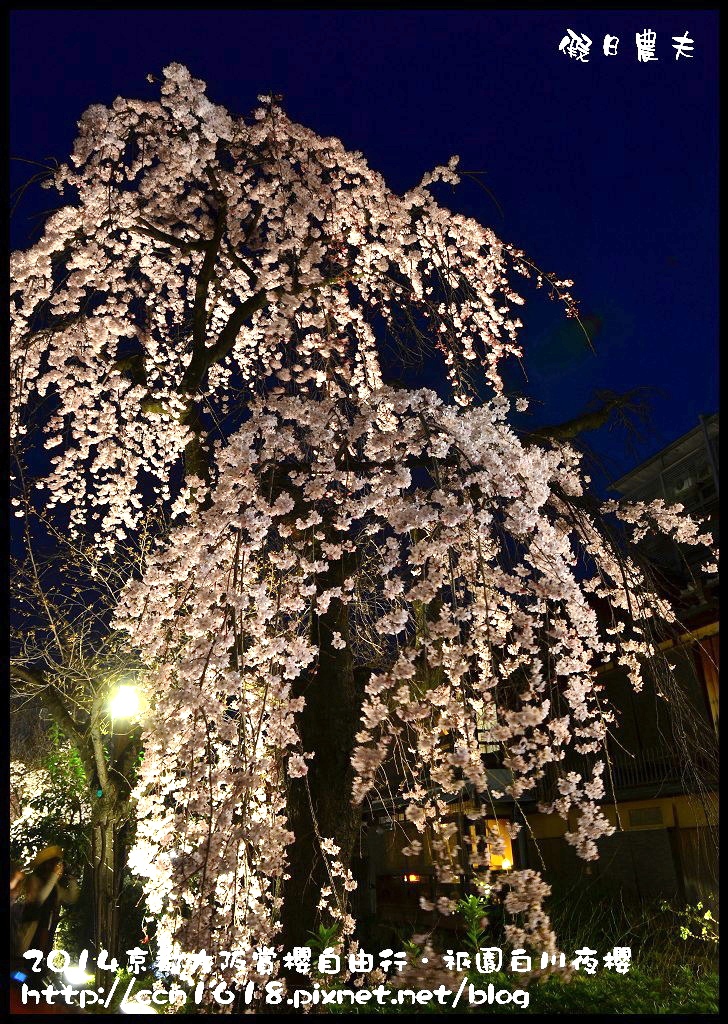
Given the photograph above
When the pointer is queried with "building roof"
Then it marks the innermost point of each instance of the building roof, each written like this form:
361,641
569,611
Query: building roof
697,440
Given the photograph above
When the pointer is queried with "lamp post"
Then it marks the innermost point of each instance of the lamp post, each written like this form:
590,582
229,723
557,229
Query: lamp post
110,809
125,705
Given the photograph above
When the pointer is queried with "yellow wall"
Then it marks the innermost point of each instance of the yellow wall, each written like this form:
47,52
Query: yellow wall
677,811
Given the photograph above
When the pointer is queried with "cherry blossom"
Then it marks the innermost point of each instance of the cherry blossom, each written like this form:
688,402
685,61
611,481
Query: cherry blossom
203,328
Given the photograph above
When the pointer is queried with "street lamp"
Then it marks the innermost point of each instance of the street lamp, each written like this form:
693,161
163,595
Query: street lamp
125,703
77,976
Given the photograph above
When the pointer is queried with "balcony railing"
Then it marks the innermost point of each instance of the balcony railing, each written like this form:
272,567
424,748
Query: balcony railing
655,766
647,766
651,768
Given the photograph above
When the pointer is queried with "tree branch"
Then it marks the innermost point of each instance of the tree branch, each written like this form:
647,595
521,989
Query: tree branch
162,236
587,421
52,700
202,287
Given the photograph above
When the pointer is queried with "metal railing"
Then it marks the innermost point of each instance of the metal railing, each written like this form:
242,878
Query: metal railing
648,766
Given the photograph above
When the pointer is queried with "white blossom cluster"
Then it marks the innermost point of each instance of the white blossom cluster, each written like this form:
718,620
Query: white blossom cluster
300,225
207,258
38,803
250,567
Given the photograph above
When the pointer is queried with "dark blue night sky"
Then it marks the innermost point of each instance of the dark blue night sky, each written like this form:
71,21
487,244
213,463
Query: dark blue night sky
604,172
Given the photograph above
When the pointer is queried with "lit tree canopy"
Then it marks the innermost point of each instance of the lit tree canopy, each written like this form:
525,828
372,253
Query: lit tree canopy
356,572
206,255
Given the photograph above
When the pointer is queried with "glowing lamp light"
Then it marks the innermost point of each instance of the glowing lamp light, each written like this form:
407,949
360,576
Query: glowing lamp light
77,976
125,703
506,865
413,878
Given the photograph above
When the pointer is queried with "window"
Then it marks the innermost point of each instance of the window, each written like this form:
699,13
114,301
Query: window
645,817
490,845
486,719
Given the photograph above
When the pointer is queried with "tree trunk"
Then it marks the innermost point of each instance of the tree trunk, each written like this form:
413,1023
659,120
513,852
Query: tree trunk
322,799
107,864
